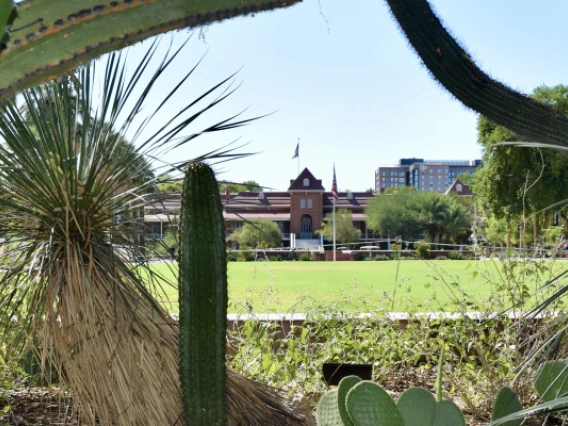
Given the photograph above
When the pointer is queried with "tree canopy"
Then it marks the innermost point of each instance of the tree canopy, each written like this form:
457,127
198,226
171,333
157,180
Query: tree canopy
408,213
345,231
246,186
396,214
522,182
260,233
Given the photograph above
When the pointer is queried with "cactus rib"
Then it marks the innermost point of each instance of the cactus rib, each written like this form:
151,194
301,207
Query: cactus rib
202,299
453,67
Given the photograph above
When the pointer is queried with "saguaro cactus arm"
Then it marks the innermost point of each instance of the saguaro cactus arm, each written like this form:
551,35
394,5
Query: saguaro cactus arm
50,37
453,67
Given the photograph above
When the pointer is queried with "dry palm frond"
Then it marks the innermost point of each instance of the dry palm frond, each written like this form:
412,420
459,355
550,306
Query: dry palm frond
65,176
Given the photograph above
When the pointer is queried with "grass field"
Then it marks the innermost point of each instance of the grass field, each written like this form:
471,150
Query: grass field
366,286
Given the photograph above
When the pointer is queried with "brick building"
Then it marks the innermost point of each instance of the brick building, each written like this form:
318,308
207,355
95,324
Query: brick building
424,175
299,211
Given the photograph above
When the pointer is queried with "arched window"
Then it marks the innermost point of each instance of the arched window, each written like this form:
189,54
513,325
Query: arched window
306,182
349,195
309,203
261,196
306,227
302,204
459,187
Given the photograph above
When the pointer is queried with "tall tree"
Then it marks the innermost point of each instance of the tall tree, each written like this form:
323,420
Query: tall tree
345,231
433,210
455,223
396,214
521,181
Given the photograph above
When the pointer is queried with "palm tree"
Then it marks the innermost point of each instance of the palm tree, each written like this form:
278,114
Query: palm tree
456,222
64,175
433,211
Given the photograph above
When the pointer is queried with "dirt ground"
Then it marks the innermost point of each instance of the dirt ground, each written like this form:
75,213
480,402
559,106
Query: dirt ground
43,406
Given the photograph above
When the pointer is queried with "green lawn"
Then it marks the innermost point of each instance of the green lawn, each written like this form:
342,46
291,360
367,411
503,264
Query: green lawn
425,286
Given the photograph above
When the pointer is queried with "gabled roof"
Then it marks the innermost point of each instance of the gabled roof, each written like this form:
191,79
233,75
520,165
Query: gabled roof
298,183
347,200
464,192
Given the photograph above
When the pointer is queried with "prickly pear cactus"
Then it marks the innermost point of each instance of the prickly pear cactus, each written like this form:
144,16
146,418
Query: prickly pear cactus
417,407
369,404
552,380
345,385
507,402
202,299
328,411
448,414
51,37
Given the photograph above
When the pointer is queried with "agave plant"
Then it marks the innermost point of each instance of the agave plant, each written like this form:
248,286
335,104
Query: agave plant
65,176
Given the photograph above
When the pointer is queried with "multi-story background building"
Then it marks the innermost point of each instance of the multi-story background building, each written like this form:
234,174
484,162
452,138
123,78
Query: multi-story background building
424,175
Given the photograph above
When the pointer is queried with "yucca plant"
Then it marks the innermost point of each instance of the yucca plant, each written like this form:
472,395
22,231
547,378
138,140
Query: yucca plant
65,176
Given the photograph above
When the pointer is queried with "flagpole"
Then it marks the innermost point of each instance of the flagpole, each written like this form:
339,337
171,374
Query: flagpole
334,229
298,157
334,201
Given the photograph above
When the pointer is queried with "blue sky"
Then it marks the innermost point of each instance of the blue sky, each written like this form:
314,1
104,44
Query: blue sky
357,95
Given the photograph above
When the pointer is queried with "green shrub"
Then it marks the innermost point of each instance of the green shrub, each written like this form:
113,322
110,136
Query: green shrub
304,257
245,256
422,250
455,255
381,257
274,258
395,247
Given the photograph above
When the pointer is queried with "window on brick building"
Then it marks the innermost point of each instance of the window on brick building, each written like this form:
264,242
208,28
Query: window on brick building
306,182
309,203
302,204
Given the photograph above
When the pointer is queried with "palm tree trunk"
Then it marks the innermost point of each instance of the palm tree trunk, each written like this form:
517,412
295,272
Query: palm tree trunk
536,229
508,230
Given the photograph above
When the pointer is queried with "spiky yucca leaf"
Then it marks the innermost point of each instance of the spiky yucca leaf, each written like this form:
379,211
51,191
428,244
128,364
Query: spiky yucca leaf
65,176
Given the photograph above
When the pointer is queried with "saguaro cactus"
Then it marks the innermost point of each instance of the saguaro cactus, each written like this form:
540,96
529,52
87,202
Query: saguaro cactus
202,299
453,67
47,38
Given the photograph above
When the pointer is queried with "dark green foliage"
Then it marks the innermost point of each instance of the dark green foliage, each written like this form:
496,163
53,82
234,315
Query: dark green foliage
305,257
396,214
454,68
202,299
422,250
455,255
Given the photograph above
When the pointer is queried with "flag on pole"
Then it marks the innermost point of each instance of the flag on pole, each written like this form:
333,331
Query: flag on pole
296,151
334,186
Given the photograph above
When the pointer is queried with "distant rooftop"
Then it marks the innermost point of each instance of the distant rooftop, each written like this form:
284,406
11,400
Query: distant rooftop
410,161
